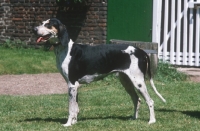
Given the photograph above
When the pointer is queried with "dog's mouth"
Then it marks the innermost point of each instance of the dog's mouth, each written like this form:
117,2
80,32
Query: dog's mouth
43,38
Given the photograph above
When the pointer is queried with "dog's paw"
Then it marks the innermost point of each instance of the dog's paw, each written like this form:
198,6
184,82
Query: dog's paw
74,121
152,121
67,125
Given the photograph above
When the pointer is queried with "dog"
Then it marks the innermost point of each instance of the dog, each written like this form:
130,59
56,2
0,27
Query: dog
79,64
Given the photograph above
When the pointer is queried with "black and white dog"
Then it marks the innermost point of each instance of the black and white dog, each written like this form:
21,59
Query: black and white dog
83,64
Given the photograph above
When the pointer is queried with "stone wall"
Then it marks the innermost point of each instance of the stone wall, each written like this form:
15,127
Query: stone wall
86,23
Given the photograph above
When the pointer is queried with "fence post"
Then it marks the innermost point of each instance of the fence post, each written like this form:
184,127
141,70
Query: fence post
156,27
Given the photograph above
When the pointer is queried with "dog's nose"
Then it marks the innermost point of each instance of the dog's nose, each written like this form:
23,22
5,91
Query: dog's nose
35,29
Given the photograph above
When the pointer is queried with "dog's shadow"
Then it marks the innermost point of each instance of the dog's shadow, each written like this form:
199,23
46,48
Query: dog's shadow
37,119
194,114
64,120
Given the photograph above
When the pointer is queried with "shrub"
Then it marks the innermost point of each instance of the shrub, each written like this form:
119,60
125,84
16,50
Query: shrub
166,72
14,44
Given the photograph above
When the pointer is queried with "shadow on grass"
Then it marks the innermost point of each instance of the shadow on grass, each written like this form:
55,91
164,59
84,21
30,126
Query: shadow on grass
124,118
64,120
61,120
195,114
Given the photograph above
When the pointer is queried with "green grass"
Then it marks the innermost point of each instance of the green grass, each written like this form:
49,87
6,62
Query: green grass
30,61
104,105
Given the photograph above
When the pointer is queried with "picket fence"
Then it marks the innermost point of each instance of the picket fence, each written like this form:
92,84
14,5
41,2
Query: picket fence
176,28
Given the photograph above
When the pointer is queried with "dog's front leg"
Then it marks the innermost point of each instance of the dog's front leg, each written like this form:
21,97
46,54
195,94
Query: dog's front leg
73,105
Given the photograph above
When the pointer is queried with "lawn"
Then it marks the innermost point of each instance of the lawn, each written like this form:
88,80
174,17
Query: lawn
104,105
29,61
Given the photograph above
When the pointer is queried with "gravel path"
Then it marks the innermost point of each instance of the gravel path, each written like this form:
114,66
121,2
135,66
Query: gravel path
34,84
53,83
193,73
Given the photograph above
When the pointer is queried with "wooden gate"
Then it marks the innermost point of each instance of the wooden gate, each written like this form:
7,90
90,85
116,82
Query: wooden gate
176,30
130,20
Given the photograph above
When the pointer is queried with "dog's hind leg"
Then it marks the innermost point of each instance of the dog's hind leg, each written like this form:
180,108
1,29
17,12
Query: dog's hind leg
129,87
73,104
139,83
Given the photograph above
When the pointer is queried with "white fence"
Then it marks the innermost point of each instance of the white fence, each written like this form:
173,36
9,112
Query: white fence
176,28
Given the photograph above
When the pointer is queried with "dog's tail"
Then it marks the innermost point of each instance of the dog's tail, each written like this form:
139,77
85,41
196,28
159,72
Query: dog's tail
151,79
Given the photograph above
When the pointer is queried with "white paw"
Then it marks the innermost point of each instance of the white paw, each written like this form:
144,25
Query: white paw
67,125
152,121
74,121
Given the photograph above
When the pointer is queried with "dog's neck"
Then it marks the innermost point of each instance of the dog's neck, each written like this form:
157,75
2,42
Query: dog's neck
62,54
59,47
60,38
63,36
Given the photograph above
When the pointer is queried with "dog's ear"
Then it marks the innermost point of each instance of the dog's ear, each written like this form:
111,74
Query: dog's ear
62,31
63,35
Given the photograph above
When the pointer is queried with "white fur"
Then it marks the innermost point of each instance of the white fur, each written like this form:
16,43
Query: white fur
90,78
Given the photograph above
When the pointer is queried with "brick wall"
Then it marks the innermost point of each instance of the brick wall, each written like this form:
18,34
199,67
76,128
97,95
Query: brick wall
86,23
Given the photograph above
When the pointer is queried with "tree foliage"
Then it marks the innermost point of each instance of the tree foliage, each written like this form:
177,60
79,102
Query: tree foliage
70,1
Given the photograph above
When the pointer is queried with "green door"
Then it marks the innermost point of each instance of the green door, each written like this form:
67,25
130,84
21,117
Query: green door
129,20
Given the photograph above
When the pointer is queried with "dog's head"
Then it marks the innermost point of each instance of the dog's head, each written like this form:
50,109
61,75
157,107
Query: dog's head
51,28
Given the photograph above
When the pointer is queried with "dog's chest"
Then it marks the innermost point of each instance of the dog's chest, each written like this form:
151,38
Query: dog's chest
62,60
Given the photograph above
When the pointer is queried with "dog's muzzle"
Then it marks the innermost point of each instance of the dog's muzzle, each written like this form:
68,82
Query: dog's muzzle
43,37
52,39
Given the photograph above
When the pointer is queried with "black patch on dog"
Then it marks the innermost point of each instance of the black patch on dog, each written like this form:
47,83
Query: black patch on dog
101,59
143,59
139,85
